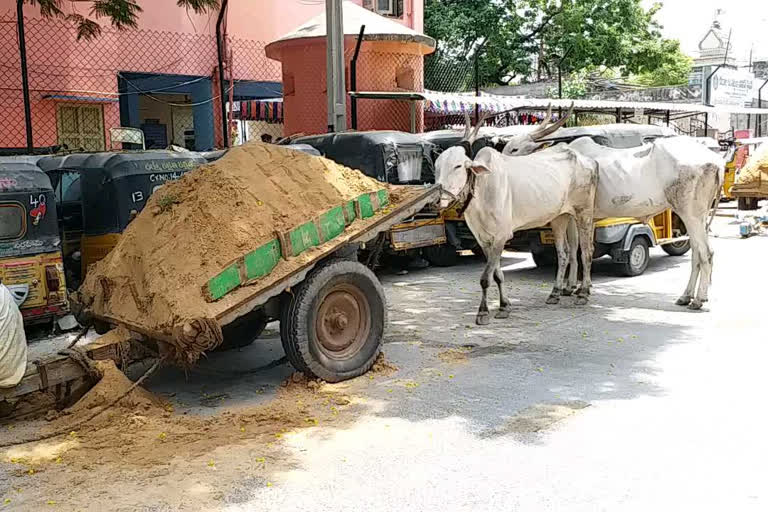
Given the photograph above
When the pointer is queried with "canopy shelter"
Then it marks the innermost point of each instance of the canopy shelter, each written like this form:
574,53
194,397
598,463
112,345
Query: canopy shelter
450,104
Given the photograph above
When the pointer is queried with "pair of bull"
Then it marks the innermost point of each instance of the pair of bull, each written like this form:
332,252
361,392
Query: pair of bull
569,186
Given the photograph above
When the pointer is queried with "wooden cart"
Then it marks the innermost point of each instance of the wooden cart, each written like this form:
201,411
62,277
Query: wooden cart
331,308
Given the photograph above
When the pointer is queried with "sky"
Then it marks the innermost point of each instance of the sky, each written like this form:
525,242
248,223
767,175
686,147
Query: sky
689,20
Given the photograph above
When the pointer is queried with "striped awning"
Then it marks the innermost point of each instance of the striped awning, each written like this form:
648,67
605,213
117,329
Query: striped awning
270,111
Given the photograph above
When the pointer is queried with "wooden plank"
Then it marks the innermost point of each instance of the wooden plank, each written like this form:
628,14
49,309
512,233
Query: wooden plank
62,369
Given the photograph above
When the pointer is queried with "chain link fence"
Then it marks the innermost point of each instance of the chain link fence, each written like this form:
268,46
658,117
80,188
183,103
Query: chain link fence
165,83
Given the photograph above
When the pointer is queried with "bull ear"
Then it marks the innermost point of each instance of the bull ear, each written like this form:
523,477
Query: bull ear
477,168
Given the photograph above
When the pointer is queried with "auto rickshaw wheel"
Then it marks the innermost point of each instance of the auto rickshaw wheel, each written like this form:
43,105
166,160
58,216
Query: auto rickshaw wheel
333,324
444,255
637,258
544,259
678,229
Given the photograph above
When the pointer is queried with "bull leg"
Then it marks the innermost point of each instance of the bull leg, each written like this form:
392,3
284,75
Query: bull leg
687,295
498,276
483,317
586,235
572,235
559,228
704,257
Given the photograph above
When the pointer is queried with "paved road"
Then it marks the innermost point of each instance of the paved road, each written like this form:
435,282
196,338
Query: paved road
631,403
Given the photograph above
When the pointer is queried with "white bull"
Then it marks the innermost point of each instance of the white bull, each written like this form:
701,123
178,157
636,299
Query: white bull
501,194
675,172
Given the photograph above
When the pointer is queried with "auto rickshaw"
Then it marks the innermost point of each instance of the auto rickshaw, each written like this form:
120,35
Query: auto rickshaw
31,263
98,194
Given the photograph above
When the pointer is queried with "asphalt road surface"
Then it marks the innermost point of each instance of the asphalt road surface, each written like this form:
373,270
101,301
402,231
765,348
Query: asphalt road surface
629,403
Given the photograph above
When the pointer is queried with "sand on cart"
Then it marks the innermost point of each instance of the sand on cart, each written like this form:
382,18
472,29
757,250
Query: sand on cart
191,229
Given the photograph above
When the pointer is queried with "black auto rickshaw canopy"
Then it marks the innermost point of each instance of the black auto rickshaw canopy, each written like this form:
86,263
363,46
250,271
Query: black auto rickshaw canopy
28,224
114,186
388,156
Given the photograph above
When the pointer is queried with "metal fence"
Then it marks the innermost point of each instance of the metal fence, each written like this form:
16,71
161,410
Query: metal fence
165,83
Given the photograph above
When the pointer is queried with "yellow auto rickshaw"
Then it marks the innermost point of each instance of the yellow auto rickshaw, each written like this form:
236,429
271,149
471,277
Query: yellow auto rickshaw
31,264
100,193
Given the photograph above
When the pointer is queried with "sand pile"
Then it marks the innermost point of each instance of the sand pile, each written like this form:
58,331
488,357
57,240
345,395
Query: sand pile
752,179
193,228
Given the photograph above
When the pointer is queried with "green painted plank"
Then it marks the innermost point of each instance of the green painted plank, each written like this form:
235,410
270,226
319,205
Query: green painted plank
225,282
261,261
332,223
383,197
304,237
366,207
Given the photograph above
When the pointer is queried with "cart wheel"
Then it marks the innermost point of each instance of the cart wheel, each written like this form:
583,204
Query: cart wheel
332,326
747,203
444,255
243,331
637,258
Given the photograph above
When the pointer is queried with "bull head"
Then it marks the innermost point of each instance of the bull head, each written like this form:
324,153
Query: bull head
529,143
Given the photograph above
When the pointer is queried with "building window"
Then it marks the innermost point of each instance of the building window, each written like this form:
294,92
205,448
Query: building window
386,7
81,127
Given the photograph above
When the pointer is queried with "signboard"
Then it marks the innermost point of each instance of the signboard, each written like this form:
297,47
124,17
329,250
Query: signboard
731,87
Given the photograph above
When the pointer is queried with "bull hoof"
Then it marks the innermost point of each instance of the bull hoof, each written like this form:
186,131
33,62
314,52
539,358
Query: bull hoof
683,301
553,299
581,300
502,313
567,292
695,305
483,319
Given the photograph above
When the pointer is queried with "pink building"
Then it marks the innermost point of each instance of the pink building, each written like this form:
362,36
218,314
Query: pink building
162,77
391,59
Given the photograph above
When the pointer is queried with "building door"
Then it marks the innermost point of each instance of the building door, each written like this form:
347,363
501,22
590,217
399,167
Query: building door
81,127
183,121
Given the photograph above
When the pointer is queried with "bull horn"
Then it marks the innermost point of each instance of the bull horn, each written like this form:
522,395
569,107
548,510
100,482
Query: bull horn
555,126
543,124
479,124
467,126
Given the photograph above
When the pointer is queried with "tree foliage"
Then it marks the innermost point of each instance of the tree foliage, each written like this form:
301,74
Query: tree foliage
122,14
529,39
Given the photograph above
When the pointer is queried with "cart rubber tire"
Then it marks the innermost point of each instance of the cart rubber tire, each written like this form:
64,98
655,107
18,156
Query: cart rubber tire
544,259
638,252
243,331
333,325
444,255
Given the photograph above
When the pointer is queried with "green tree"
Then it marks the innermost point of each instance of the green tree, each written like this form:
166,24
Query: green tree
530,39
122,14
672,68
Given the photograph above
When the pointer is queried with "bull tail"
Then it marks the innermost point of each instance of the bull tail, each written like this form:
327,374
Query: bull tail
718,196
